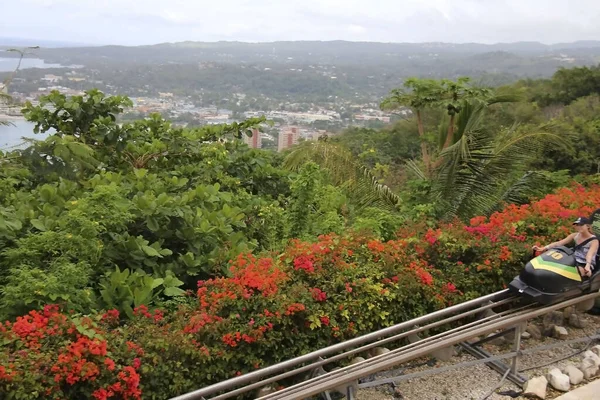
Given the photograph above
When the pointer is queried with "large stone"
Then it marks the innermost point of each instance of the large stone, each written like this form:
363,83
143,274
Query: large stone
558,380
534,331
377,351
560,333
356,360
593,356
586,305
553,318
576,321
525,335
485,313
510,336
444,354
265,390
596,350
575,375
567,312
413,337
536,388
589,368
499,341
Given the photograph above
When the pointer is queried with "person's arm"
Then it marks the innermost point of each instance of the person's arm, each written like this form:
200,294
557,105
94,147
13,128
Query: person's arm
589,257
563,242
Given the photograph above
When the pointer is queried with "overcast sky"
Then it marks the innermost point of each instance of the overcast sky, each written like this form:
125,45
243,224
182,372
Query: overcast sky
156,21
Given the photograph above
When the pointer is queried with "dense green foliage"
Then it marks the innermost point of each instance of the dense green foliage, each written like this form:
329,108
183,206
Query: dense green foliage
179,257
128,213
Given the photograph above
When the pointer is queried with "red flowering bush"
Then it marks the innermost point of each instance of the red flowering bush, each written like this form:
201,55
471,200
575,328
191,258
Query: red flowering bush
49,355
276,307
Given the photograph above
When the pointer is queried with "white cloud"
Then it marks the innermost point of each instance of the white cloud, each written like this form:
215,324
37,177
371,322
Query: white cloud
151,21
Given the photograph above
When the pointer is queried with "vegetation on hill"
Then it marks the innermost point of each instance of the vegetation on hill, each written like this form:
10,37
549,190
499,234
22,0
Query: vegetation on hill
138,259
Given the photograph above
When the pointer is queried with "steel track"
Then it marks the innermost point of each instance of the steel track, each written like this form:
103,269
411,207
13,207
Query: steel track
347,375
316,357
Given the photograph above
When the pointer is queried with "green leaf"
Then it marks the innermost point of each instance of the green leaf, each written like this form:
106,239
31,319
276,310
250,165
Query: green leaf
150,251
157,282
173,291
39,225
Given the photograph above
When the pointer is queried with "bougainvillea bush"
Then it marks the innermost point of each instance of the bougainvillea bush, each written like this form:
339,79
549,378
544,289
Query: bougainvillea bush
276,306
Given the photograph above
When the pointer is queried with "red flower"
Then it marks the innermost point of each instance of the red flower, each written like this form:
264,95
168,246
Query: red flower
319,295
101,394
110,317
325,320
136,363
304,263
110,364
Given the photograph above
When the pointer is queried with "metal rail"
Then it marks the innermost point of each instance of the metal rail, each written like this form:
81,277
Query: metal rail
431,344
381,342
349,374
315,355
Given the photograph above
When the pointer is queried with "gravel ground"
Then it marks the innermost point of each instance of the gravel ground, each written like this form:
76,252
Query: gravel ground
475,382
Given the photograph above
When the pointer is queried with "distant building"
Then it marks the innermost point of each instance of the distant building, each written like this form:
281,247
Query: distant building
288,137
253,141
51,78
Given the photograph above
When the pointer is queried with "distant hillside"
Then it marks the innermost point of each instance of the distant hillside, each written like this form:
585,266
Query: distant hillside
6,42
271,74
310,52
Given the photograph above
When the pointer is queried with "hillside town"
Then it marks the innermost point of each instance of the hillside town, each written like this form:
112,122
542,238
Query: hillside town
292,122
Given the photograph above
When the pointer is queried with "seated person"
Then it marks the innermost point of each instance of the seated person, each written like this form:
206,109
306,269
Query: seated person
586,245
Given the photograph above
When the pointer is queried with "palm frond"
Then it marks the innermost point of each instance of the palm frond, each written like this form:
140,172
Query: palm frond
415,169
363,187
529,184
482,170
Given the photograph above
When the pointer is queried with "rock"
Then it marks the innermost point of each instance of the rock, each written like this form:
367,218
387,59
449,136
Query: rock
536,388
265,390
413,337
356,360
560,333
575,375
593,356
534,331
589,368
567,312
586,305
596,350
485,313
549,331
576,321
510,336
553,318
526,335
377,351
499,341
558,380
397,394
444,354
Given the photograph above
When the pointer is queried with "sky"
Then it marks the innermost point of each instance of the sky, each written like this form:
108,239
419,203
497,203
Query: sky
135,22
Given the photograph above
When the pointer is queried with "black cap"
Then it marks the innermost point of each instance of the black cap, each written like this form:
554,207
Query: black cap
582,221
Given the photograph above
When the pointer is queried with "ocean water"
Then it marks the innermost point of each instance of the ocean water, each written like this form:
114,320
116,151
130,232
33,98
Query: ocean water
11,136
9,64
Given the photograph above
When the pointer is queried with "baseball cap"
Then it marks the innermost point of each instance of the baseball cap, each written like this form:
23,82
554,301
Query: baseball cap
582,221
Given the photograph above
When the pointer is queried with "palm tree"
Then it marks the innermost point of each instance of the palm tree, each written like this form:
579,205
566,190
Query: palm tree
482,169
345,171
418,95
475,169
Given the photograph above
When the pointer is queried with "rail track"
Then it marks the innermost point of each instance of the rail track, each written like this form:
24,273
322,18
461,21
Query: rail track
512,315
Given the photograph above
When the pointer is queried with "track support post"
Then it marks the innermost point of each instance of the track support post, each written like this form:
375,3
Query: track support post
350,392
516,349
